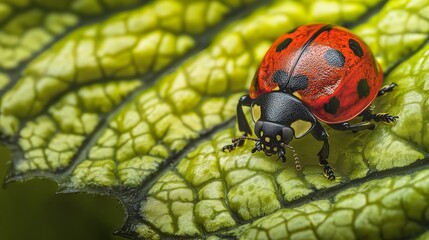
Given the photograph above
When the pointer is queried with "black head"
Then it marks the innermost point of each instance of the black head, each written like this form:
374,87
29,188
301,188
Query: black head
272,136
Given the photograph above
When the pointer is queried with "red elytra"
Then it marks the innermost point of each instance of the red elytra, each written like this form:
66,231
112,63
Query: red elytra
330,69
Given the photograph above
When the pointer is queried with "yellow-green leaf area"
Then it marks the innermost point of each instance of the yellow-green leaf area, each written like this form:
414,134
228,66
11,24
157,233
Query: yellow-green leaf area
393,207
4,80
250,196
128,44
28,32
146,232
29,26
400,23
407,140
51,140
412,75
337,11
170,206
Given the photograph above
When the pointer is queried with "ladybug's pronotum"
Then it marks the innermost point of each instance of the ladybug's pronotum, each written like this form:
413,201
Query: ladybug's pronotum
315,73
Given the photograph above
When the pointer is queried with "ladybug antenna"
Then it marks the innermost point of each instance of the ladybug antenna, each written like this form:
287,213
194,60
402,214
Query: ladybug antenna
295,157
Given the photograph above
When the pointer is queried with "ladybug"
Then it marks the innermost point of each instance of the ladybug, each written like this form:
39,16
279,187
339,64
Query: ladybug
315,73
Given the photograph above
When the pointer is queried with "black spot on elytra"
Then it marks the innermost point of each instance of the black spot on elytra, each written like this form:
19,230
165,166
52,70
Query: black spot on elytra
298,82
334,58
332,106
355,47
283,45
363,88
280,77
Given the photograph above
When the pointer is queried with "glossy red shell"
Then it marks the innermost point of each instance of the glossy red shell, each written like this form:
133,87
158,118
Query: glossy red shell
343,77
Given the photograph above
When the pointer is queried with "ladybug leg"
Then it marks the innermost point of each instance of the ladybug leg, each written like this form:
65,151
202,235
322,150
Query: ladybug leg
257,147
345,126
367,113
235,143
282,153
384,117
386,89
378,117
320,134
243,125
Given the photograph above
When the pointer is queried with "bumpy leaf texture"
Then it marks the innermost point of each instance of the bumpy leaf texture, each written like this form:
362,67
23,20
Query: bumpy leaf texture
135,99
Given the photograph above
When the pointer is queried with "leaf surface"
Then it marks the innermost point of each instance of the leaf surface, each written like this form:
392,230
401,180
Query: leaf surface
136,101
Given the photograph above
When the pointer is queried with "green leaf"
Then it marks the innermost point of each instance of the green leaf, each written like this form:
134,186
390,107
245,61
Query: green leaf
29,26
135,101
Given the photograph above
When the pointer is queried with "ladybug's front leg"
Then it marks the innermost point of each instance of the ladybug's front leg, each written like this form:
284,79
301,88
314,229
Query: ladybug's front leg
239,141
243,125
235,143
320,134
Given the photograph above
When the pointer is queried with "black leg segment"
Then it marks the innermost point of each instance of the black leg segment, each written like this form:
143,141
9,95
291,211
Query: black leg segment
384,117
346,126
377,117
320,134
282,154
243,125
386,89
236,142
